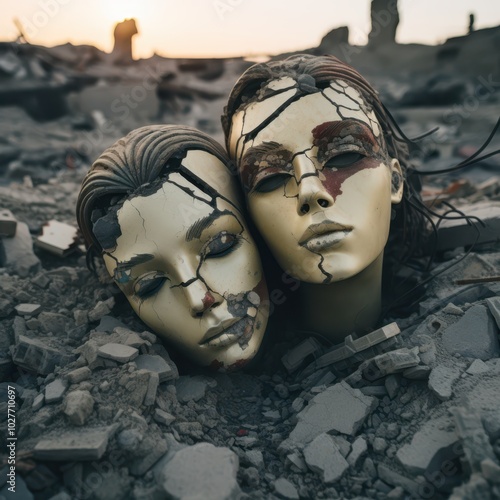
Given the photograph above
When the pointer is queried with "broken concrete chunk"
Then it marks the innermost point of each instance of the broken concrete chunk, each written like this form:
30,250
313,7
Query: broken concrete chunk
296,356
395,479
150,450
28,310
191,388
491,470
54,391
8,223
285,489
339,408
392,384
58,238
435,436
16,253
256,458
441,381
323,456
359,448
118,352
38,402
79,375
78,406
477,367
473,336
494,306
153,383
84,444
163,417
154,363
100,310
202,471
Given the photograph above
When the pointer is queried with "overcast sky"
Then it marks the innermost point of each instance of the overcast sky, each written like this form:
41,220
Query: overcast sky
198,28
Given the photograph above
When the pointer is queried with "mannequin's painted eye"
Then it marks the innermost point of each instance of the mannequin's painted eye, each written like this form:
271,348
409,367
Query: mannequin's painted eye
344,160
149,285
271,183
223,244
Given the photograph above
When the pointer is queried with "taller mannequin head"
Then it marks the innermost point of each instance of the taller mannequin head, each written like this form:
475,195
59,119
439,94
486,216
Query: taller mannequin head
319,165
162,207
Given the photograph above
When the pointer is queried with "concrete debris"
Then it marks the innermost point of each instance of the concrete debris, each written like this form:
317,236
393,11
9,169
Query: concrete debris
339,408
491,470
78,406
493,304
202,471
157,364
28,310
435,438
441,381
100,310
256,458
54,391
475,335
85,444
118,352
294,358
323,456
359,449
477,367
79,375
394,478
8,223
392,385
285,489
163,417
477,487
16,253
58,238
191,388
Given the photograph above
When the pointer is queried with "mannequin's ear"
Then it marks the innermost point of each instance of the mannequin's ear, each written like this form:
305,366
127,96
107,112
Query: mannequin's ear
397,181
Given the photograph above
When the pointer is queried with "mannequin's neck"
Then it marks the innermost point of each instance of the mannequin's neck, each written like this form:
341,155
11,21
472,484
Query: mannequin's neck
336,310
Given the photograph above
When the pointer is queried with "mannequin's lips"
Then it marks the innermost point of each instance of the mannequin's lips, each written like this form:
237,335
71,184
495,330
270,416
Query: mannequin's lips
225,333
324,235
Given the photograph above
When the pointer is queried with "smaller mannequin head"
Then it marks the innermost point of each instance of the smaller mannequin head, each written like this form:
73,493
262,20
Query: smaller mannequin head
318,163
162,208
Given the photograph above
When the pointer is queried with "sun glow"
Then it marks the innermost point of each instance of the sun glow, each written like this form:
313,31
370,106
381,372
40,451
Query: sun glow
118,10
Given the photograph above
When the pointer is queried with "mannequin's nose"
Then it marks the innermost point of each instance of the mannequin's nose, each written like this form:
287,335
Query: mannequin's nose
312,196
199,298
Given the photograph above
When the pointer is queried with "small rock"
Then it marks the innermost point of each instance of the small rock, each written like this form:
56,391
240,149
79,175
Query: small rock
163,417
79,375
78,406
28,310
441,381
379,445
256,458
285,489
153,383
52,323
38,402
392,384
477,367
490,470
54,391
323,456
191,388
359,448
118,352
282,391
100,310
420,372
494,306
154,363
202,471
453,310
16,253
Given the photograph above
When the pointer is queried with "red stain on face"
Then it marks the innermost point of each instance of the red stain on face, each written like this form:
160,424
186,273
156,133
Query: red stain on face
208,301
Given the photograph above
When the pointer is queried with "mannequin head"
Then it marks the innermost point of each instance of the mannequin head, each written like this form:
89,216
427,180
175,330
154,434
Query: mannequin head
162,208
320,166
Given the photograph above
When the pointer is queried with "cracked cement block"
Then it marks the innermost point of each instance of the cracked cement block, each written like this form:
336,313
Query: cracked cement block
285,489
392,385
58,238
100,310
155,449
339,408
78,445
163,417
154,381
473,336
28,310
54,391
494,306
201,471
78,406
155,363
79,375
324,457
256,458
118,352
477,367
359,448
16,253
441,381
433,438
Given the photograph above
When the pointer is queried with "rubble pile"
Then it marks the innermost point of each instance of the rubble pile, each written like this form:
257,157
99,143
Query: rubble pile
105,411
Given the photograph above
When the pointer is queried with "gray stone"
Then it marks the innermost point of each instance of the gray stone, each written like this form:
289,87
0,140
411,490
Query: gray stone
339,408
477,367
79,375
256,458
296,460
490,470
54,391
52,322
191,388
83,444
379,445
473,336
108,324
202,471
38,402
359,448
441,381
153,383
433,438
151,450
395,479
323,456
100,310
35,355
16,254
494,306
118,352
392,384
420,372
163,417
453,310
28,310
342,444
78,406
285,489
155,363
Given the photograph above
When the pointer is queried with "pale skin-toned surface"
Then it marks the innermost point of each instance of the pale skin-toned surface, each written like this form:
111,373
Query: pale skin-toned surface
319,187
198,281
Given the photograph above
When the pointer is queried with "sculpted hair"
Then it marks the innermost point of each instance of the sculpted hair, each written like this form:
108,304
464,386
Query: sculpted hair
131,166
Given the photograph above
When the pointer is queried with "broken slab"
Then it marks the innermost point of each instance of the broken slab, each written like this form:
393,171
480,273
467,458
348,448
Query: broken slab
118,352
8,223
79,375
359,448
474,335
156,364
441,381
339,408
163,417
477,367
16,253
78,406
283,488
58,238
201,471
28,310
54,391
296,356
493,304
435,436
191,388
323,456
84,444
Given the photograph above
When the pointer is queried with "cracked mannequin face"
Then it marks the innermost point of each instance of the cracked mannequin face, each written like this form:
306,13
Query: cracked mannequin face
317,177
189,267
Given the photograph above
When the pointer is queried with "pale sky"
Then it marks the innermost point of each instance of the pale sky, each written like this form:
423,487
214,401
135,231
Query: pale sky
204,28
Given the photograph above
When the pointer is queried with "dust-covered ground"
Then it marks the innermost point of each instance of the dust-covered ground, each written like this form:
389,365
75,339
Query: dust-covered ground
95,407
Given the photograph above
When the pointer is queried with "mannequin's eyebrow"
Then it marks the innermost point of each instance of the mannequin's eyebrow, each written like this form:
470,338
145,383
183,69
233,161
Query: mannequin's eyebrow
125,266
263,149
342,129
200,225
